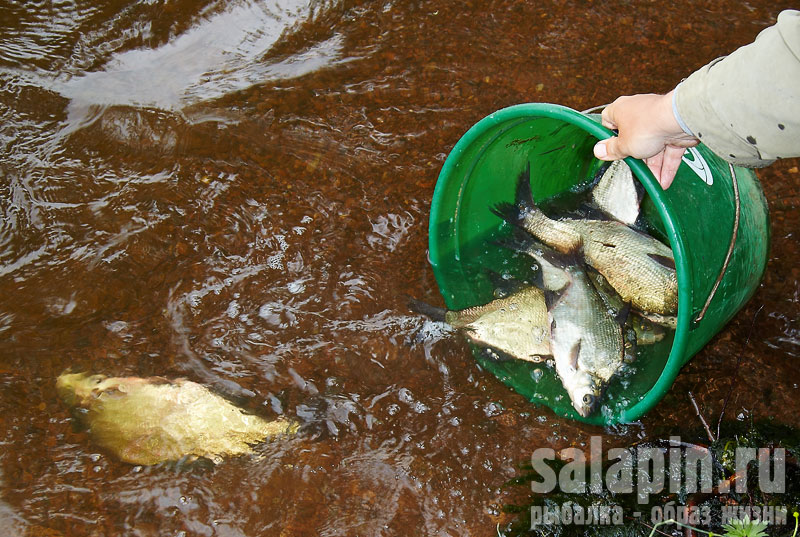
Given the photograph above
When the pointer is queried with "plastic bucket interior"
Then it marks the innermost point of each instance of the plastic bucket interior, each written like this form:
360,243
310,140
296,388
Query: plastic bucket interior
696,216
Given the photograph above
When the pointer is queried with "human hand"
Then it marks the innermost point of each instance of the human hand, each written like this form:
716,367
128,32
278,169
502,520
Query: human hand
647,130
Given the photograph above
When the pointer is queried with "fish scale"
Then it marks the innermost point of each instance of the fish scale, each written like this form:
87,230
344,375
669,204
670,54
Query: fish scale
516,325
632,262
580,319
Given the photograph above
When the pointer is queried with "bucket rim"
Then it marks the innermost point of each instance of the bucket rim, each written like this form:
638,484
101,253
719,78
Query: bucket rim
591,125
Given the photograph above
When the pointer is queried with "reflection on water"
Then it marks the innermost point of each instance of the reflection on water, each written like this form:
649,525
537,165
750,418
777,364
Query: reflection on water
215,190
224,52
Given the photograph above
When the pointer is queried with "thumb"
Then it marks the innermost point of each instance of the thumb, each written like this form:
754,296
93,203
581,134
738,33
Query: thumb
609,149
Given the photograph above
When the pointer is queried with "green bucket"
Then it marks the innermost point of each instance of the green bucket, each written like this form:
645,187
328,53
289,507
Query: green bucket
718,230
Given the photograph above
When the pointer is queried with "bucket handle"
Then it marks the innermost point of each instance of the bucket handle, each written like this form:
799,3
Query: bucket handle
595,109
703,311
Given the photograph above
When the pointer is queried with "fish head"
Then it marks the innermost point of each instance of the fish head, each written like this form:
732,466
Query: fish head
647,332
585,392
74,388
77,389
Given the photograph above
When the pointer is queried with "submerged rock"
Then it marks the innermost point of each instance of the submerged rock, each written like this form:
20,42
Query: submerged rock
154,420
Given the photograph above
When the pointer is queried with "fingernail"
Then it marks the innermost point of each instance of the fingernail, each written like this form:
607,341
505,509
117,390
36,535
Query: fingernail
600,150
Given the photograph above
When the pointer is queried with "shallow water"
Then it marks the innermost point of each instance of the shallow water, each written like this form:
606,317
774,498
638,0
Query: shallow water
238,193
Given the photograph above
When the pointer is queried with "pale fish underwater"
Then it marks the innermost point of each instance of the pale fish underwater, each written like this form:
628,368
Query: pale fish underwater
153,420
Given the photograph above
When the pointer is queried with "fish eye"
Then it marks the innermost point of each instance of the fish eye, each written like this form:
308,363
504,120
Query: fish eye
588,399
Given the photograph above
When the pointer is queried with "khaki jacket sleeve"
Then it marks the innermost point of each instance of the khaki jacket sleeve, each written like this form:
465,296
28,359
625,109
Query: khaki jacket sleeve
746,106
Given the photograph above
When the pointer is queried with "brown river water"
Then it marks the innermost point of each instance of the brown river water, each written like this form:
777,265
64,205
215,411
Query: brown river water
238,193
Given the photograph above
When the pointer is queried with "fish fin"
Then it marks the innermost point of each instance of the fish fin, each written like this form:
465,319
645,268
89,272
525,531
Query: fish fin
574,352
519,241
513,213
433,312
508,212
523,242
622,315
663,260
550,299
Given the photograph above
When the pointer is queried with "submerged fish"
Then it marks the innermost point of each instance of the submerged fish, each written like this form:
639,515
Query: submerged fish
618,193
586,339
154,420
516,325
649,327
640,268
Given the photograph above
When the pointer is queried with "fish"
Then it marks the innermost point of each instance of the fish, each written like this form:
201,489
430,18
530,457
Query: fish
515,325
639,267
618,194
586,340
650,328
146,421
667,321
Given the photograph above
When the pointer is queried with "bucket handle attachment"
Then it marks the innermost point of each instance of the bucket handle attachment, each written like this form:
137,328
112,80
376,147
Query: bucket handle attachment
703,311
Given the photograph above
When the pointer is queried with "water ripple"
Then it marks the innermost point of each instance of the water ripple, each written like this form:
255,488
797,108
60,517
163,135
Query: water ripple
235,44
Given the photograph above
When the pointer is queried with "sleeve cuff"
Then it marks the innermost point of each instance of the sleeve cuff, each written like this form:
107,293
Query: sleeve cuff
677,114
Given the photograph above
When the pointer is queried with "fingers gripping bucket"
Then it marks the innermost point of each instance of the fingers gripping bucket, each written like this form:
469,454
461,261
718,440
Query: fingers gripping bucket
718,231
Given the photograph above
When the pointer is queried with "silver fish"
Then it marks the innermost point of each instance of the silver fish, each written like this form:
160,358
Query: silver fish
586,339
640,268
618,194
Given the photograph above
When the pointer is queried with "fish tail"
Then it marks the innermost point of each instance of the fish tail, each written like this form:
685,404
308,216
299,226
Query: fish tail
508,212
518,242
524,208
524,194
432,312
